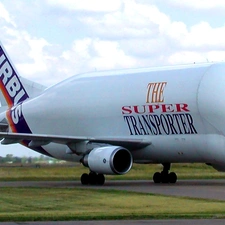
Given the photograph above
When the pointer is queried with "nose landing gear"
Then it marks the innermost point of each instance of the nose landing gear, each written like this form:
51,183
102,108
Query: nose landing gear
165,176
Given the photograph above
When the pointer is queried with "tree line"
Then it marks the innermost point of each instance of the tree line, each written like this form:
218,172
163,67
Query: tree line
9,158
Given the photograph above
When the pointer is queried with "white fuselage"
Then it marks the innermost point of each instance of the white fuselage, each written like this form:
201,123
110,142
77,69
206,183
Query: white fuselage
180,110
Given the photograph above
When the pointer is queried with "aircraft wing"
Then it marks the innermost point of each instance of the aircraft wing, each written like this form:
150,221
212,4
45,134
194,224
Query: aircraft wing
43,139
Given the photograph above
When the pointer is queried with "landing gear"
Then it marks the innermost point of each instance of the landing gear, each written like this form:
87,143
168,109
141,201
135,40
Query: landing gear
165,176
92,178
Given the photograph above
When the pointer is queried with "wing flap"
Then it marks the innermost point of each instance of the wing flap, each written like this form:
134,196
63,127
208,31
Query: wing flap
43,139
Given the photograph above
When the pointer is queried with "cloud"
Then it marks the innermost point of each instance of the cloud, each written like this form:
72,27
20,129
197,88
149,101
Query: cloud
27,52
87,5
94,54
109,55
202,37
5,16
133,20
200,4
36,53
129,34
186,57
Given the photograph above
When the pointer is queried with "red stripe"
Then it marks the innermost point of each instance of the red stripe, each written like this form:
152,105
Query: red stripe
11,124
6,94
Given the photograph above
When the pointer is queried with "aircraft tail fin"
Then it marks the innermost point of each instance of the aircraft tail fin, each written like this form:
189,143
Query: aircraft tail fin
14,89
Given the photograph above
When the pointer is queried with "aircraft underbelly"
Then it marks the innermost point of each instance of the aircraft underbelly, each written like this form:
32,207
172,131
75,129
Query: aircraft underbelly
204,148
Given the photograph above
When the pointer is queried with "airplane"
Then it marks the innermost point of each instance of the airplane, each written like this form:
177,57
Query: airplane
108,120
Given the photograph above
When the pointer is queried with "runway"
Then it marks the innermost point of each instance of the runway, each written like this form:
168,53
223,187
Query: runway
207,189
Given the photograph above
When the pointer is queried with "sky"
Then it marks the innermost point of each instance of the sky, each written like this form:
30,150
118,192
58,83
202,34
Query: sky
50,40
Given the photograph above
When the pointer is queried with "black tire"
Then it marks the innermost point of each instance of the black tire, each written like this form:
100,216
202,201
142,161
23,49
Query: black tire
172,178
164,177
92,178
157,178
100,179
84,179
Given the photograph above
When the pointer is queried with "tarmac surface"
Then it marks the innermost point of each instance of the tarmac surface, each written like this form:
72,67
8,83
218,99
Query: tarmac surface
207,189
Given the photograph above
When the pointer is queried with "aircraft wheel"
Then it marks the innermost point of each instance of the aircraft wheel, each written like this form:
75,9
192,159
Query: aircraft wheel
164,177
92,178
84,179
172,177
100,179
157,178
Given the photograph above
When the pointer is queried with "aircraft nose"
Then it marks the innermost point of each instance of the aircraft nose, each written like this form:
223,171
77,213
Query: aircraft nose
211,98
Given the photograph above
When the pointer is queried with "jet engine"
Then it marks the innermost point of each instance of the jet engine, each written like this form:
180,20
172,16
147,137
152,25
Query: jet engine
109,160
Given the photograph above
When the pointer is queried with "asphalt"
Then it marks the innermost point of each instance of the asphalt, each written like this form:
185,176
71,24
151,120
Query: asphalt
206,189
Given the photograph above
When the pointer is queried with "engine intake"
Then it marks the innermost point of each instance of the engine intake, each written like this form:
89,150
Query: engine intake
109,160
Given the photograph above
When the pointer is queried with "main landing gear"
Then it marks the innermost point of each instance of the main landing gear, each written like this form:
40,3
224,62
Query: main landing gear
92,178
165,176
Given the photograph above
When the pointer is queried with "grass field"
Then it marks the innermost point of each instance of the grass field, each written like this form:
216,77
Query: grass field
36,204
42,204
73,172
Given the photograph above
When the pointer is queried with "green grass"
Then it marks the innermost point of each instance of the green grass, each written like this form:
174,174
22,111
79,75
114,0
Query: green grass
41,204
138,172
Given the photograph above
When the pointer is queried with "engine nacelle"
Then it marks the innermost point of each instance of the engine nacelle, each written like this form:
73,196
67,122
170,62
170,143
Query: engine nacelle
109,160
